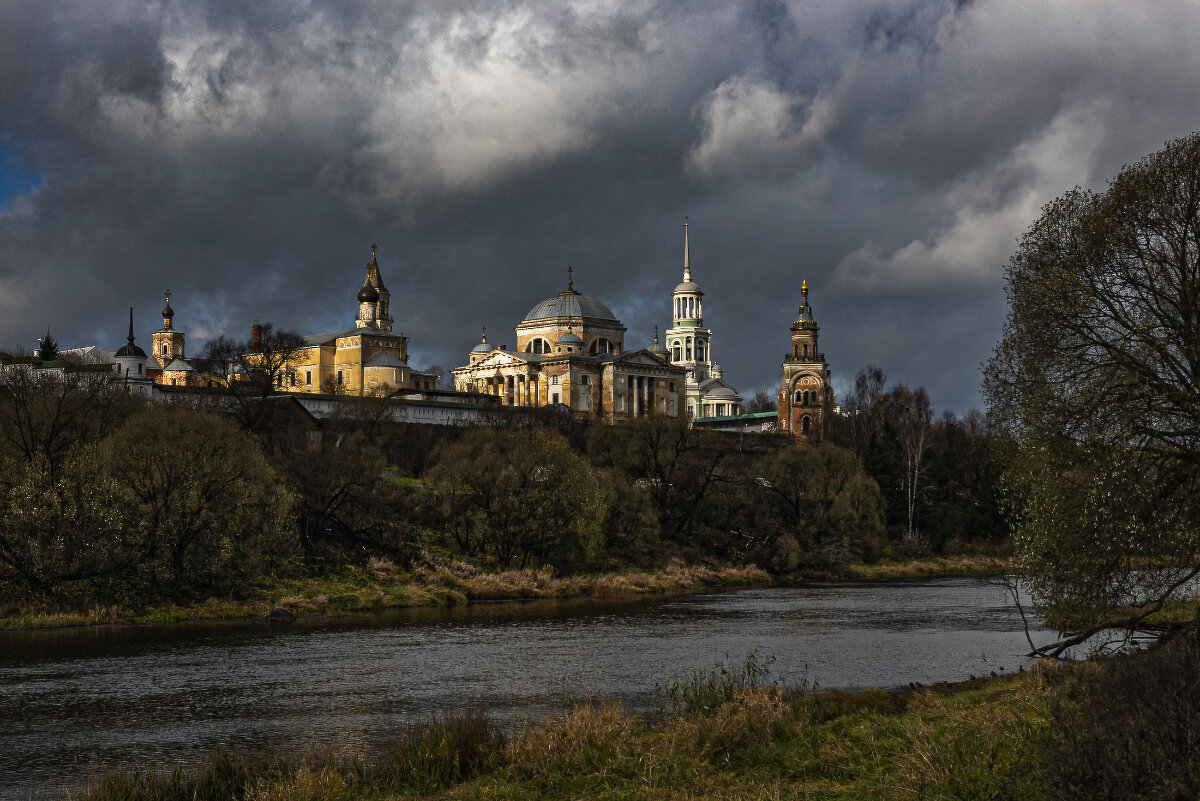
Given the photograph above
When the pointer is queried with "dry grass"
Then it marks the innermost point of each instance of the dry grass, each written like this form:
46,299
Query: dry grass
380,584
763,742
977,565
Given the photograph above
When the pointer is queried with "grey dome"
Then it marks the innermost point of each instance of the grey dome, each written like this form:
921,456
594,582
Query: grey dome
569,338
658,348
719,391
482,347
570,304
689,286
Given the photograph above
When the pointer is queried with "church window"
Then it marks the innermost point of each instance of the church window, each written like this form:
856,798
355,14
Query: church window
538,345
164,349
806,350
308,378
583,379
139,368
691,410
806,423
676,351
339,378
689,350
554,381
554,398
601,345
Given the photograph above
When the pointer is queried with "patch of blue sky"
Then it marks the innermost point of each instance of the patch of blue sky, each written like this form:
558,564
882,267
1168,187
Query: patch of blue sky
16,179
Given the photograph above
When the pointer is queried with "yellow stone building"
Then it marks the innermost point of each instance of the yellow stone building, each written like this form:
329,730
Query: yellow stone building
363,360
570,351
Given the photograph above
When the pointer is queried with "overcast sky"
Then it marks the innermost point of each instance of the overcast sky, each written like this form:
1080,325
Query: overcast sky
247,155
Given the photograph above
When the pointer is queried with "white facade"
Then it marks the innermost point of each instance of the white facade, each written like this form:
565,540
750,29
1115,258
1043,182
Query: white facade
689,345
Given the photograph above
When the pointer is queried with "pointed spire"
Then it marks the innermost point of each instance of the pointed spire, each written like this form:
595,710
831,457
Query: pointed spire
570,278
656,335
484,341
130,337
373,274
687,259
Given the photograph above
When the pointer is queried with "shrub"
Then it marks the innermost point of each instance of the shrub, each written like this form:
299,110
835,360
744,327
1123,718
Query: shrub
705,690
588,738
1126,729
453,748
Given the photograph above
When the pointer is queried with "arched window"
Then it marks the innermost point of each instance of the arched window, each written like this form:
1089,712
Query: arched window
676,351
583,380
806,423
806,350
538,345
671,387
601,345
688,352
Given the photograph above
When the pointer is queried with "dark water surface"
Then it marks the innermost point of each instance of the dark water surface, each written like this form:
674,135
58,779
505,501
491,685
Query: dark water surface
153,696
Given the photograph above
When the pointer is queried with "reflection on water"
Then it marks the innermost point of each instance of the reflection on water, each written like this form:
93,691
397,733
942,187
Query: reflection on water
156,695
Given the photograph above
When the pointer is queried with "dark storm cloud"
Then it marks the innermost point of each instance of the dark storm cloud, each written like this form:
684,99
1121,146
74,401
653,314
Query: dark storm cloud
247,155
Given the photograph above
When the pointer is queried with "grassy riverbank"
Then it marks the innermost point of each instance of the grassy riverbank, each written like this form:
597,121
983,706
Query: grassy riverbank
961,565
724,739
382,585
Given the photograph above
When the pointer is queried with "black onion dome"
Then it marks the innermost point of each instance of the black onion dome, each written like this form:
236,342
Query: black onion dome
368,294
131,350
168,311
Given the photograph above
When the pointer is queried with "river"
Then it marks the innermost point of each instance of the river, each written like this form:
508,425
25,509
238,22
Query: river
155,695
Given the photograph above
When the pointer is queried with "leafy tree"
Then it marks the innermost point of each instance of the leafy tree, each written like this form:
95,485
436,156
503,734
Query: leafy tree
350,504
1097,378
827,505
520,495
677,465
66,535
212,512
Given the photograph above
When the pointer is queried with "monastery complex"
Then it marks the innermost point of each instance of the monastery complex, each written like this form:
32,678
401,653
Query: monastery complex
570,353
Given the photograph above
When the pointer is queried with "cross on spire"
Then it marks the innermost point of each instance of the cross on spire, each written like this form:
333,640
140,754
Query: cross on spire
570,277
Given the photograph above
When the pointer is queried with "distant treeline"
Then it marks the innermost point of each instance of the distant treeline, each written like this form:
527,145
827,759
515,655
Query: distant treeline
107,499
